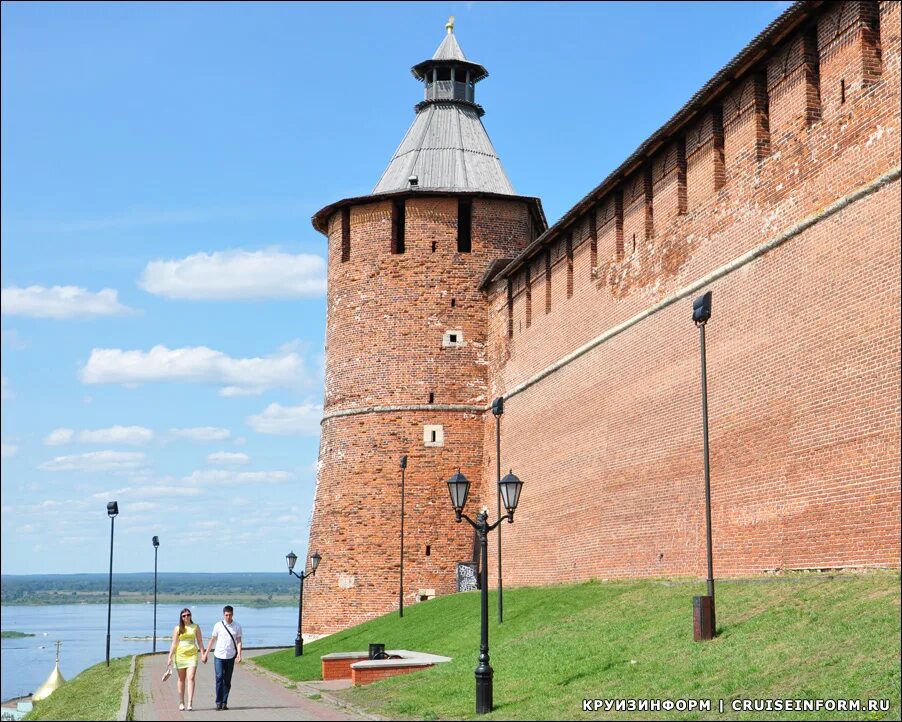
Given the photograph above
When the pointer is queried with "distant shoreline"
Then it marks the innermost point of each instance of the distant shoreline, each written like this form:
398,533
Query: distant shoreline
265,589
236,599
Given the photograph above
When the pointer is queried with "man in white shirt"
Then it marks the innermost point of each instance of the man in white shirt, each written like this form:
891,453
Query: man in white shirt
226,638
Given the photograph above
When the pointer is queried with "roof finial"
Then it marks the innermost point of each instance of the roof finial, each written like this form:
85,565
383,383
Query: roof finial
450,25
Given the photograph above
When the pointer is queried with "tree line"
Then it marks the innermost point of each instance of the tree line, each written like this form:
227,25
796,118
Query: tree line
18,587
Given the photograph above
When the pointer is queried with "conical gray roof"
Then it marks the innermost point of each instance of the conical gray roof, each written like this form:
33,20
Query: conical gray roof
449,49
447,147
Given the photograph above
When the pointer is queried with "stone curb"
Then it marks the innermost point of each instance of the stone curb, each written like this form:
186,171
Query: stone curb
122,716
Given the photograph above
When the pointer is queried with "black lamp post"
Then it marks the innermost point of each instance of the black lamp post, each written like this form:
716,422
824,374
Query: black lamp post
156,545
314,563
401,580
704,618
509,488
498,410
112,509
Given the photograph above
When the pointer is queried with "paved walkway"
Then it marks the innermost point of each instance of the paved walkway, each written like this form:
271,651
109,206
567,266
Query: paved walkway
257,694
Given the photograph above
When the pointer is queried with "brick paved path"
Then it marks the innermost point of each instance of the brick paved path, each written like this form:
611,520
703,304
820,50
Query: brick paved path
256,694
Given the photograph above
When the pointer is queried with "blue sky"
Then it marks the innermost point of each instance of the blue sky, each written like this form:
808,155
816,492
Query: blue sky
163,289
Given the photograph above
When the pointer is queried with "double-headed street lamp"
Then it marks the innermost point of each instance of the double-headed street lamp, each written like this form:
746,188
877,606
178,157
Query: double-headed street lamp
156,545
292,559
112,509
509,487
704,617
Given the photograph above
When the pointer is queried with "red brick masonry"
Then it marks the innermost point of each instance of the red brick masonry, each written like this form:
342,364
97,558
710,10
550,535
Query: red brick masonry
780,193
362,670
338,664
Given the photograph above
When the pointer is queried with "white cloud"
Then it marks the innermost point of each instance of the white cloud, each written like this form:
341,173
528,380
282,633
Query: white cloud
61,302
285,420
144,506
5,393
231,275
201,433
228,457
97,461
59,436
8,450
147,492
225,477
198,365
136,435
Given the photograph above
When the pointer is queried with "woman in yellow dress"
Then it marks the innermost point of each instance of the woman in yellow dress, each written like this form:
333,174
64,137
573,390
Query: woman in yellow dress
186,641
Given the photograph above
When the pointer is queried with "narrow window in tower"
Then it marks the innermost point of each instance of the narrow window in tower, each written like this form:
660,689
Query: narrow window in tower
453,303
434,246
433,435
397,227
464,225
842,91
431,397
345,234
428,550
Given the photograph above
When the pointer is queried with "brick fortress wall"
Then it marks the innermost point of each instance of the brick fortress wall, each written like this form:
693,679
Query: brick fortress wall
388,314
802,347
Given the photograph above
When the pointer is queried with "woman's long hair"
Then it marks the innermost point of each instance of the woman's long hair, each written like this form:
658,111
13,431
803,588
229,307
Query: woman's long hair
182,619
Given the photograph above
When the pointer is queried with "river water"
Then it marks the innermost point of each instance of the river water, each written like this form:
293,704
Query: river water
28,661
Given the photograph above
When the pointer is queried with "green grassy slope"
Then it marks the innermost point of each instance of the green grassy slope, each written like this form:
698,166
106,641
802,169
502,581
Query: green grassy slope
95,694
798,637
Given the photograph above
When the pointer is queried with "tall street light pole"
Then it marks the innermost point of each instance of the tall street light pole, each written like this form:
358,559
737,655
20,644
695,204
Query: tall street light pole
401,579
458,487
704,609
156,545
112,509
292,558
498,410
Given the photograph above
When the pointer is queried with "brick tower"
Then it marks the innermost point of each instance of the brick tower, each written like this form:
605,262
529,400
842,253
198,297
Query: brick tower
406,367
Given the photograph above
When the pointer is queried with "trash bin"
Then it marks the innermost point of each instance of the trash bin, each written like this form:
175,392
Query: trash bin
703,618
377,651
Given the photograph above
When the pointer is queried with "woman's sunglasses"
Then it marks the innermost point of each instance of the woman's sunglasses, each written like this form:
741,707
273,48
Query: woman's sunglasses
184,616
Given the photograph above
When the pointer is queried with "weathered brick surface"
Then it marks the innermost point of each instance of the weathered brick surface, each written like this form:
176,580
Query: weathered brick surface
803,352
367,676
340,668
387,314
803,359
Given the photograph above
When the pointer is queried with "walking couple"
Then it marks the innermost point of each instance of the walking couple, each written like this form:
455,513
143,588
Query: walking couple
188,641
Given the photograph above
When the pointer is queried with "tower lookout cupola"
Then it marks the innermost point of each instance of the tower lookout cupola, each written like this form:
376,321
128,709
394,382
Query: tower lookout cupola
449,75
447,147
